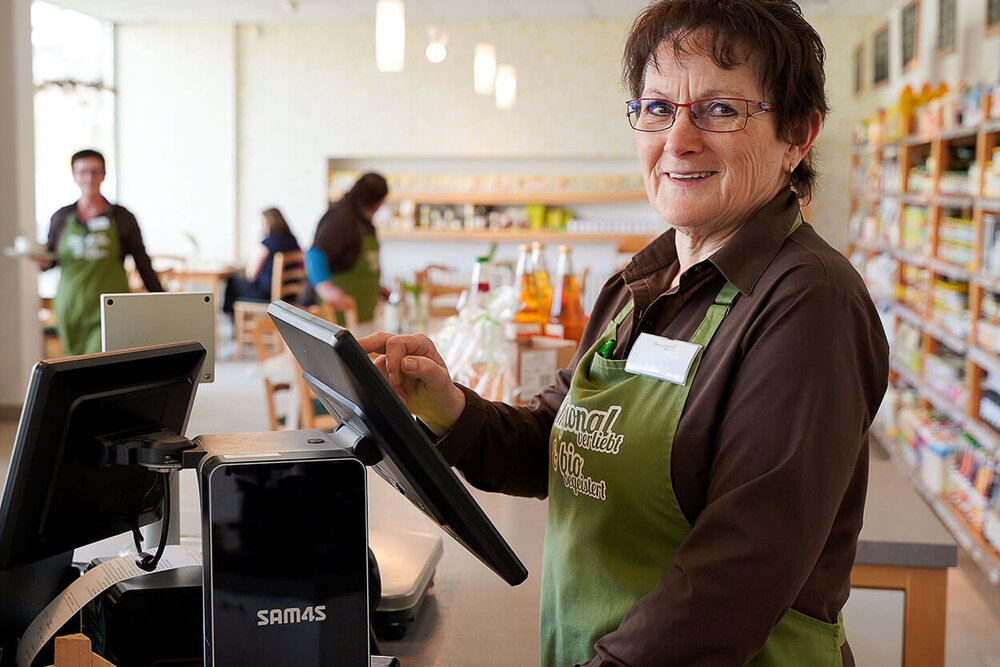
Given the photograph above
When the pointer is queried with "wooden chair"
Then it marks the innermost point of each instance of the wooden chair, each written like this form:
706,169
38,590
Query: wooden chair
288,278
268,343
433,282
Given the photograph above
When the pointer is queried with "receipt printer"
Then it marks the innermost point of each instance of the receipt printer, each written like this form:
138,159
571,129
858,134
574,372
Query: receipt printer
285,552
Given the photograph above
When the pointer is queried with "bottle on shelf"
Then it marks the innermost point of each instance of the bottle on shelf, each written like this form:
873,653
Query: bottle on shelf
394,311
566,318
527,319
542,277
479,287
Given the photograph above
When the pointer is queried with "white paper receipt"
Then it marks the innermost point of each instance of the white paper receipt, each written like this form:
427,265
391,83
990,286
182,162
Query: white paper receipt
97,580
662,358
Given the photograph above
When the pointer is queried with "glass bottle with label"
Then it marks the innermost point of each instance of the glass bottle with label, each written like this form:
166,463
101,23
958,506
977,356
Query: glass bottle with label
542,278
566,319
479,287
527,320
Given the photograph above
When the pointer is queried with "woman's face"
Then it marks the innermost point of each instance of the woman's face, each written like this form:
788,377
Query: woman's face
702,181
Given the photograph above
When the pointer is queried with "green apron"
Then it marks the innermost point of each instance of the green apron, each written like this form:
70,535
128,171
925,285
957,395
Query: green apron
614,522
89,257
362,280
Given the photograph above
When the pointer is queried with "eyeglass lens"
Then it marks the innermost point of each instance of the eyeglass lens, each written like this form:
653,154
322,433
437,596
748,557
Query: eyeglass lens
713,115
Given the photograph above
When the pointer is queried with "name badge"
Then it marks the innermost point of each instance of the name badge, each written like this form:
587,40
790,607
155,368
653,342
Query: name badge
98,224
661,358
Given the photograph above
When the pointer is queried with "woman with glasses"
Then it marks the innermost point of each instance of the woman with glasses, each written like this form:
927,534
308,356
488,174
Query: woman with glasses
705,455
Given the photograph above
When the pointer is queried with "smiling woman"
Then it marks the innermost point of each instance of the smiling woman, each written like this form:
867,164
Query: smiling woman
736,364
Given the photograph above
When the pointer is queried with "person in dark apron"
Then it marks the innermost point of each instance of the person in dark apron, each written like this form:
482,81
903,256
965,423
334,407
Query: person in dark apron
90,240
344,259
705,454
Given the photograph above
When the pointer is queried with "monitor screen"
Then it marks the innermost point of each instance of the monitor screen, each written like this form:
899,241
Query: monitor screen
352,389
58,495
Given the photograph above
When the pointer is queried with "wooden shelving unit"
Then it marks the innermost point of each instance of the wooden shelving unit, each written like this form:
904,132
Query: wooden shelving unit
918,173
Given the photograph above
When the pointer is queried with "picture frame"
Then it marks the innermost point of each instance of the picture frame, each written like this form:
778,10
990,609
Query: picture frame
880,55
909,19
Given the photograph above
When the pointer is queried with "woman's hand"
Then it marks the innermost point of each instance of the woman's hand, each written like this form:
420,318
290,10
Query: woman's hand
417,373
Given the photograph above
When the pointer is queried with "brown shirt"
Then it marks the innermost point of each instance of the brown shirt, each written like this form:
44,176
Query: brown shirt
339,234
770,459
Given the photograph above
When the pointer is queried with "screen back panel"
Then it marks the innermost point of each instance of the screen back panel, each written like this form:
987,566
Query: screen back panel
353,390
155,318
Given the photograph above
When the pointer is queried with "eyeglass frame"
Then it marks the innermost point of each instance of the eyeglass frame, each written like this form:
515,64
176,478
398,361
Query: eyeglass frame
765,107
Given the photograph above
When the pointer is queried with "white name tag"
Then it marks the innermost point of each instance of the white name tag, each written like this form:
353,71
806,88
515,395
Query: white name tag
98,224
661,358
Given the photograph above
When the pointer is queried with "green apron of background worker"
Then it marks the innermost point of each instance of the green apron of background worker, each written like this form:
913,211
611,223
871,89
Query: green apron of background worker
609,482
362,280
89,256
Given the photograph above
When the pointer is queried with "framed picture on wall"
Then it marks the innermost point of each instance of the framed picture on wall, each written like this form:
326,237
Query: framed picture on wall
909,30
859,68
880,50
946,25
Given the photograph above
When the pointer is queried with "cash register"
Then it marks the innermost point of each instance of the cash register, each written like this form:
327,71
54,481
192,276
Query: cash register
285,544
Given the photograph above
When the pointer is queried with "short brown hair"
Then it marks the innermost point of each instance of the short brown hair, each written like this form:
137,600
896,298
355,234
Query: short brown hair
771,36
85,154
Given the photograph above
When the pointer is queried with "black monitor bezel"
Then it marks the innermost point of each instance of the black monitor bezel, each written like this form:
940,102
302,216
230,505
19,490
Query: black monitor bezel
56,390
410,461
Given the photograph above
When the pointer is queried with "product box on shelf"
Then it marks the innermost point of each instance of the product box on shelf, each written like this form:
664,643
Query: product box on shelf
538,359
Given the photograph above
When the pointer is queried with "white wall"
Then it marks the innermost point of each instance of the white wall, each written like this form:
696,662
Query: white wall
177,136
299,94
19,328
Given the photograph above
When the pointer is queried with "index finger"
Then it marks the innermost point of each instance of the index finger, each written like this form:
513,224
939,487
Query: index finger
374,342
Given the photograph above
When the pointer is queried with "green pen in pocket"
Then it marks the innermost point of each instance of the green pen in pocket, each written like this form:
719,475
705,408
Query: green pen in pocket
606,348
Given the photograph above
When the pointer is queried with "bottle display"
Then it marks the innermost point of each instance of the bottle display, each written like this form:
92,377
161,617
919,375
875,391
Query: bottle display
527,319
542,278
566,318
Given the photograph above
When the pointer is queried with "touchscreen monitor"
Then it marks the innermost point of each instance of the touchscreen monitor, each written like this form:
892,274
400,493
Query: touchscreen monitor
352,389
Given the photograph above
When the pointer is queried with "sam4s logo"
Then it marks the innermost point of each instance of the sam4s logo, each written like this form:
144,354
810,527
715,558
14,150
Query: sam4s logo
291,615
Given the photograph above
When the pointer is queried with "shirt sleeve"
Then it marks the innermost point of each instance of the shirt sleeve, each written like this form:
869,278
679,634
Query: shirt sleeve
317,267
810,370
130,237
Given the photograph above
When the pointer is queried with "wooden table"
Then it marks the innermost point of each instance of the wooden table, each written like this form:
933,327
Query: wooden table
905,547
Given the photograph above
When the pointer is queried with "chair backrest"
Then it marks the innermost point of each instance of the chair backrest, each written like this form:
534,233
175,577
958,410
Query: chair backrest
288,275
430,280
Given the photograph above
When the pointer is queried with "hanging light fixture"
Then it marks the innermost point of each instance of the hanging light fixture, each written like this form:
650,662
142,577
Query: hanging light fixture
484,68
506,86
390,35
436,50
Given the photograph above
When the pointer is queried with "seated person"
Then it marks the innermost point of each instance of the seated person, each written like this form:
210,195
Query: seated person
256,282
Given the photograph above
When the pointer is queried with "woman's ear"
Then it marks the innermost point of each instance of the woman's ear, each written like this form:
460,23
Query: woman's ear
795,152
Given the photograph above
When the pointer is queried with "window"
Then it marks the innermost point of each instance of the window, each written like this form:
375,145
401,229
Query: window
881,54
946,25
909,29
73,70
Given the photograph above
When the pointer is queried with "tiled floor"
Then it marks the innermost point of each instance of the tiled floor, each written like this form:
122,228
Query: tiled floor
235,402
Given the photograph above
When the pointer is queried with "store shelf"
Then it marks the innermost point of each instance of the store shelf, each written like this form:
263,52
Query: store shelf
966,535
560,198
515,236
923,230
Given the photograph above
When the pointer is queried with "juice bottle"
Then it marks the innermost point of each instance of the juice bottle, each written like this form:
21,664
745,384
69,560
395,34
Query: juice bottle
566,318
527,320
542,278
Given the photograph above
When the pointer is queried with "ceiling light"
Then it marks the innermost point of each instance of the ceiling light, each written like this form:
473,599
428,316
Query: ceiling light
436,49
390,35
506,86
484,68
